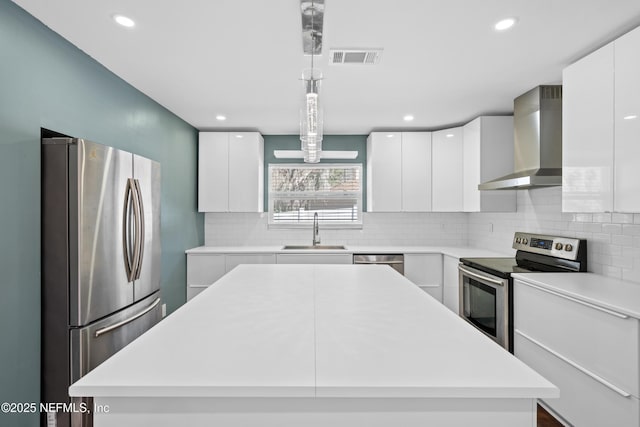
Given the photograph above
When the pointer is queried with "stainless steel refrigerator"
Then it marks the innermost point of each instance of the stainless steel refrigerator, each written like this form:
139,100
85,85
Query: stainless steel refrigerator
100,260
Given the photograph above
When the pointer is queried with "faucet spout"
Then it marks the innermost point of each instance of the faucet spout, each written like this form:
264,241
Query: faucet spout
316,230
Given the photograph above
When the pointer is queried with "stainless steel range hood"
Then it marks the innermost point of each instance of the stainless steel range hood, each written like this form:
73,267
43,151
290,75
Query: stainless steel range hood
537,120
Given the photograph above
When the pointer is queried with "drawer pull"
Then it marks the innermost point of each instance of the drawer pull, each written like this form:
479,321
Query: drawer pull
429,286
576,300
199,286
575,365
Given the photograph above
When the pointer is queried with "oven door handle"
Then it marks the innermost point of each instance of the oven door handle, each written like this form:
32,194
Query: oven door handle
482,277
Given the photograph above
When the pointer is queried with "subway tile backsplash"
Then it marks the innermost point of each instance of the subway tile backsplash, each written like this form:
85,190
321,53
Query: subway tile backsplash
613,239
411,229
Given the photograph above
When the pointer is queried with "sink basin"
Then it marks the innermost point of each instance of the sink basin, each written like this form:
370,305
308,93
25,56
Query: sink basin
313,247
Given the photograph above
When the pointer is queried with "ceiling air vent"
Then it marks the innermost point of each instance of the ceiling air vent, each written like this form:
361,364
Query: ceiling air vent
355,56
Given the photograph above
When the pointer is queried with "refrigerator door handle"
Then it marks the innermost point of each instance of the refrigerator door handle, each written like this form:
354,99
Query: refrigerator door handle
139,245
110,328
126,227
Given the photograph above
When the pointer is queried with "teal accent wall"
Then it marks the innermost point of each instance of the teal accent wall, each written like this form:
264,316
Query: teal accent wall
45,82
329,142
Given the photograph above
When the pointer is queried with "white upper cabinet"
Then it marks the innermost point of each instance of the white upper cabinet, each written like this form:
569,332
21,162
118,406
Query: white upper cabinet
416,171
399,172
587,133
627,123
601,129
447,161
230,172
384,172
487,154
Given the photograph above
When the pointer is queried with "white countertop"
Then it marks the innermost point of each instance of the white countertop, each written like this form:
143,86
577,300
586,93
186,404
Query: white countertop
606,292
455,251
314,330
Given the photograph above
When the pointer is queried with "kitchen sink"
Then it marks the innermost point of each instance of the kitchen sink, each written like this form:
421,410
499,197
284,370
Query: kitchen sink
292,247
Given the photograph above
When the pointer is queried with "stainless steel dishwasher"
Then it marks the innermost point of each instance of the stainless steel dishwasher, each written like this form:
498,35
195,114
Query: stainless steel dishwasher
395,261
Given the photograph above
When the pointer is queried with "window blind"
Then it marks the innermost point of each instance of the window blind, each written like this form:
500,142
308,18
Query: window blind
298,191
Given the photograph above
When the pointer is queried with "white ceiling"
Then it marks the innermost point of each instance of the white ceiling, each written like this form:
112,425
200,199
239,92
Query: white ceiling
442,60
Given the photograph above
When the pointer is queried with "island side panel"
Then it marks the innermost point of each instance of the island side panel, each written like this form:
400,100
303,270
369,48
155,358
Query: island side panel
309,412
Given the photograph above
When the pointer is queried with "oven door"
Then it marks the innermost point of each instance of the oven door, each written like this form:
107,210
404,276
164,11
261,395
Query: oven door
484,302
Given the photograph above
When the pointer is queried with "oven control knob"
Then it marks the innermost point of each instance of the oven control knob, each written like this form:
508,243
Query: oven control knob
517,240
559,246
568,247
525,241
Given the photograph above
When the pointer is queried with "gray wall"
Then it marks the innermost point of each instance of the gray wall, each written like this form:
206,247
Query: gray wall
45,82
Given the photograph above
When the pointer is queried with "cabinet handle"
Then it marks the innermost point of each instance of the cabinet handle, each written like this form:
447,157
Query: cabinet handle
575,365
199,286
429,286
576,300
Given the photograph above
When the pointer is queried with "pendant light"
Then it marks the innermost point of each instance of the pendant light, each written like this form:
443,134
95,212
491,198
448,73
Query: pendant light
311,120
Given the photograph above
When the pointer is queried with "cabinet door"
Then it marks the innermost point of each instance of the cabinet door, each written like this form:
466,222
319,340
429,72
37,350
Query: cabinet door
471,165
447,170
384,172
450,296
314,258
425,270
587,133
202,271
246,166
416,171
627,122
233,260
213,172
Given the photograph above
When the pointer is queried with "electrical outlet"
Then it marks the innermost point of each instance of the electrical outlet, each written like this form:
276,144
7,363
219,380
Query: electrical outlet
164,310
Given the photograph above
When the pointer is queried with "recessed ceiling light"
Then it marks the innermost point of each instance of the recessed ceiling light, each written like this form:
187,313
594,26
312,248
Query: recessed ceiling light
449,135
239,136
408,118
390,135
505,24
221,117
630,117
124,21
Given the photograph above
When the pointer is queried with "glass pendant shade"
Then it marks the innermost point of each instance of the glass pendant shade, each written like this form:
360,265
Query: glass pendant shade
311,116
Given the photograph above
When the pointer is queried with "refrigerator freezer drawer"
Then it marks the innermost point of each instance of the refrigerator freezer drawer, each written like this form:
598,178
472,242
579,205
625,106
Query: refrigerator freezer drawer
95,343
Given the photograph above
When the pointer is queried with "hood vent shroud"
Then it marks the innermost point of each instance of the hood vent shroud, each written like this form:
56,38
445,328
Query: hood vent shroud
355,56
537,117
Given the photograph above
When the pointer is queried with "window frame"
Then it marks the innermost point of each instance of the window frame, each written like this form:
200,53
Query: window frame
310,195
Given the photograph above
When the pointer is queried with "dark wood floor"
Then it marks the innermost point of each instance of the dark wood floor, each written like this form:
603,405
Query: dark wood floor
545,419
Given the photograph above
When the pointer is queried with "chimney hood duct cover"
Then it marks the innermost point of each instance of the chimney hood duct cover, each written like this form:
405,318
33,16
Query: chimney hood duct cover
537,117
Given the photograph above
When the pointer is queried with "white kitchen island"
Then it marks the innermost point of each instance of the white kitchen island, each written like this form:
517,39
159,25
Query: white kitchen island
314,345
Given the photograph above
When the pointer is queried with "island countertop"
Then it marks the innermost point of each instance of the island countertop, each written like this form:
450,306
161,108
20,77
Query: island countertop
313,331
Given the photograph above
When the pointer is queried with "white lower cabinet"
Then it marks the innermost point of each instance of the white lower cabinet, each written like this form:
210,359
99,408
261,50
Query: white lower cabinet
451,289
425,270
314,258
589,352
233,260
202,271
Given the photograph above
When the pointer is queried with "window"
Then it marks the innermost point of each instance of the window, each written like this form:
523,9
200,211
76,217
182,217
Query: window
298,191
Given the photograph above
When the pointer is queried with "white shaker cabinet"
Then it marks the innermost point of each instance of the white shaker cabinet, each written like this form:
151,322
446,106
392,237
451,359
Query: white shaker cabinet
230,172
587,133
451,288
447,170
425,270
384,172
487,154
202,271
627,123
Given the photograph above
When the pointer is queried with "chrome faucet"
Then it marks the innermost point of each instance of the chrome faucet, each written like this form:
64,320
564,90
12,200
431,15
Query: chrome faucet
316,230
